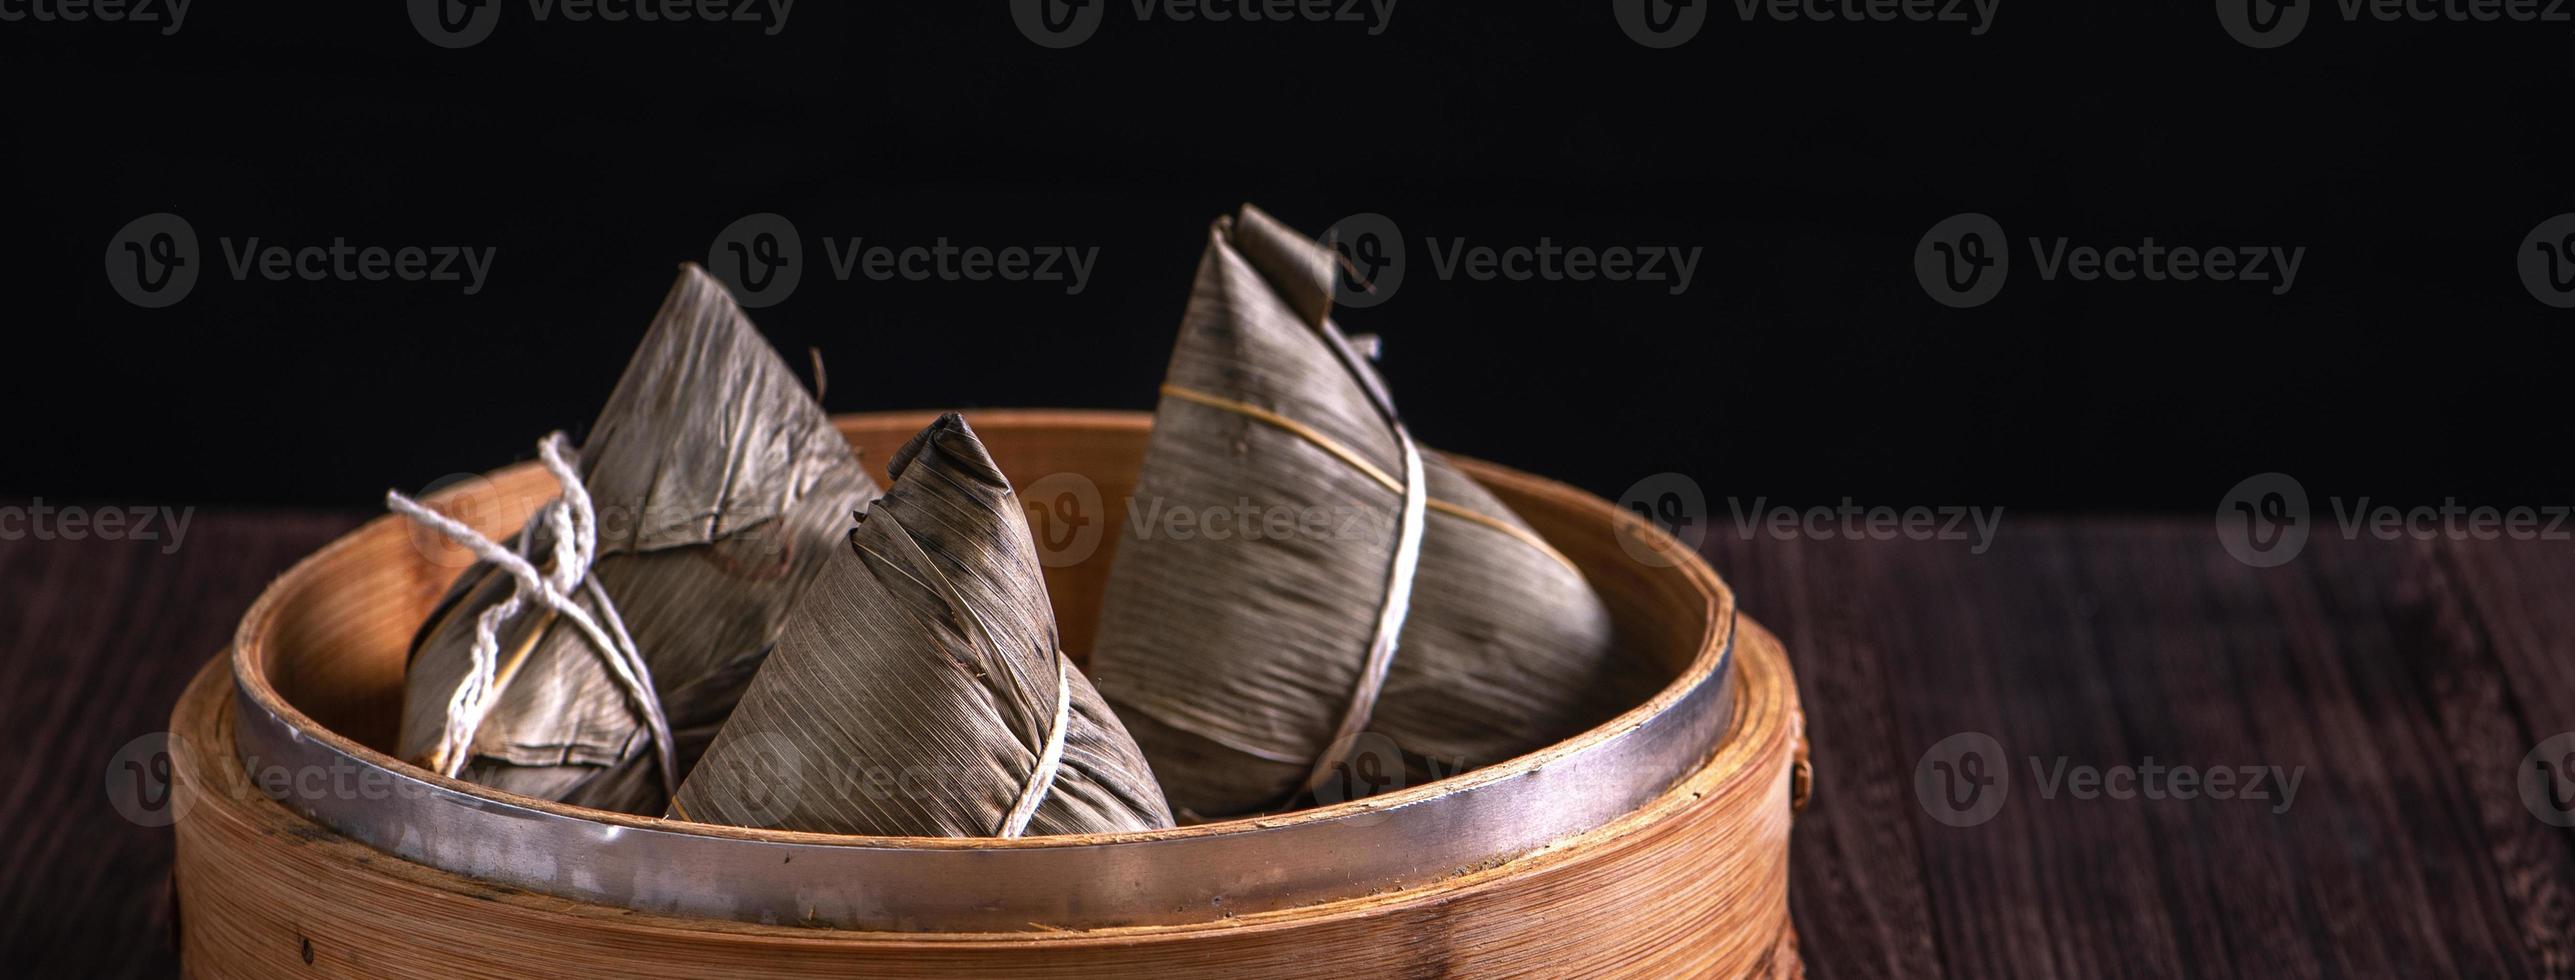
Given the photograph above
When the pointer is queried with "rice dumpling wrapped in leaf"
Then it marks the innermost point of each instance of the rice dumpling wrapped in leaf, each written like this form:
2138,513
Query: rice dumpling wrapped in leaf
712,490
920,690
1260,670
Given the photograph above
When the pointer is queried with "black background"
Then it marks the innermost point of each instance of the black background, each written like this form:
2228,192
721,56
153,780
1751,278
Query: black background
1804,364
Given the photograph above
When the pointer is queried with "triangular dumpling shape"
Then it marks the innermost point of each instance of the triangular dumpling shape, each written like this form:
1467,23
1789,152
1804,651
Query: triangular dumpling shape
721,488
921,690
1239,661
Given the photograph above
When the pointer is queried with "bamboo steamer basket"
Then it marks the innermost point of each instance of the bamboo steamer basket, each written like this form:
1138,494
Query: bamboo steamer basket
1653,846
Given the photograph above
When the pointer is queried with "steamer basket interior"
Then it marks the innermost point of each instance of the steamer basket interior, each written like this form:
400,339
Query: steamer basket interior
1653,845
345,671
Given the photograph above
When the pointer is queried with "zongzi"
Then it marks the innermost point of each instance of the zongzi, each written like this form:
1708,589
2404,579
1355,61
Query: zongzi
593,662
920,691
1421,614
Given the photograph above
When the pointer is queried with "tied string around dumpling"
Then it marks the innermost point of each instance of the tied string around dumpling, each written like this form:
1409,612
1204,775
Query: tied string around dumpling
1032,794
573,524
1050,753
1311,295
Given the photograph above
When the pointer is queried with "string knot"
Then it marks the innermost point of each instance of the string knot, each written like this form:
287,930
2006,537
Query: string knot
573,526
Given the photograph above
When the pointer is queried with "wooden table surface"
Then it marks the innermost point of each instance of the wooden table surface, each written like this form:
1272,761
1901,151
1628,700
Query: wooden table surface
2405,683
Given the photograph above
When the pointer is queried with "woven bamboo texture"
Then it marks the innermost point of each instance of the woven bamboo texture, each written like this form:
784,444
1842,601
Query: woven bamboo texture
1692,884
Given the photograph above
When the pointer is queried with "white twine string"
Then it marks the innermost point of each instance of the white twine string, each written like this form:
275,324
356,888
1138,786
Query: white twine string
1050,757
1398,597
575,528
1390,619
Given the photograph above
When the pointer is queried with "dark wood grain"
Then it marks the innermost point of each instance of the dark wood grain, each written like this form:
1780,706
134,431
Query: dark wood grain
96,641
2408,678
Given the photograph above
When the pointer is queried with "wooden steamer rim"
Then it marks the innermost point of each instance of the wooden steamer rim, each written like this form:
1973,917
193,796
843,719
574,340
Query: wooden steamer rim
1694,884
1419,836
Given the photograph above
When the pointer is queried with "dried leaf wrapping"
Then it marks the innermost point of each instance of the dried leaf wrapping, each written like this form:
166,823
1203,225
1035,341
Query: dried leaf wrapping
1233,657
915,692
721,488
